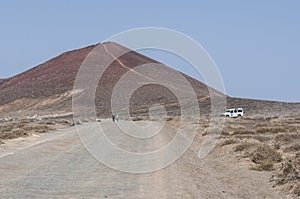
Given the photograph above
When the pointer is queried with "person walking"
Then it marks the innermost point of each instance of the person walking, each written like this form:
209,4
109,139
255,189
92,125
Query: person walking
113,117
117,118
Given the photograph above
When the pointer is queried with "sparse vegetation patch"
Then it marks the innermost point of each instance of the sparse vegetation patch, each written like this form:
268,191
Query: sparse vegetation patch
272,144
22,129
264,166
271,130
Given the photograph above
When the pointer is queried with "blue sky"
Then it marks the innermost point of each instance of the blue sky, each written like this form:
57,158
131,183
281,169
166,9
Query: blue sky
255,44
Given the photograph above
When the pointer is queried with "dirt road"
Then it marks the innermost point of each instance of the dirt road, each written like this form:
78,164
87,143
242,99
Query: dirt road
57,165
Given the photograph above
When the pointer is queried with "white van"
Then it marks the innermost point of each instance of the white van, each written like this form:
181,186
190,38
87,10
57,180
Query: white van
234,112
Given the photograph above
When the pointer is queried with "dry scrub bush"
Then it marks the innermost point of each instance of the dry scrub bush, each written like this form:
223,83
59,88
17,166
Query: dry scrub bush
137,119
271,130
261,138
225,132
262,124
7,128
265,153
292,129
243,146
228,142
50,123
287,138
264,166
293,148
243,132
243,137
289,176
15,133
258,153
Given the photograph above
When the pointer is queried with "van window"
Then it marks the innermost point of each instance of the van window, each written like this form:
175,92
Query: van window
240,111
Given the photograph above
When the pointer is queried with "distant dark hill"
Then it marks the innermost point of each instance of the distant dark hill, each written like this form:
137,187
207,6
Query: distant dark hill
48,87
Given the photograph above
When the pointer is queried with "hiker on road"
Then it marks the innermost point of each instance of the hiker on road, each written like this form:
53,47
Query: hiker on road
117,118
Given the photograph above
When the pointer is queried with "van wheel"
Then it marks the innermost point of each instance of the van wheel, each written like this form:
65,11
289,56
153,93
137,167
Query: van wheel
227,115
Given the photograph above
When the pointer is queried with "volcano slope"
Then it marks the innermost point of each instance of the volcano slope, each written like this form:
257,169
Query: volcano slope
48,88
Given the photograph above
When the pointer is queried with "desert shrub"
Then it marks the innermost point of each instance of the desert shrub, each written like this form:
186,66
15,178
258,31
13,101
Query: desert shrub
268,118
296,189
271,130
205,125
289,176
42,129
169,119
237,127
37,128
276,145
290,169
263,130
261,138
225,133
28,128
137,119
20,125
243,137
243,146
294,147
50,123
66,121
243,132
262,124
15,133
278,130
292,129
19,132
25,121
267,166
228,142
287,138
61,121
264,166
264,153
229,129
258,153
6,128
204,133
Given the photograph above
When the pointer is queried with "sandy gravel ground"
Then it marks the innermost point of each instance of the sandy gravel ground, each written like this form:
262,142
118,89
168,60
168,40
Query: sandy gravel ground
56,165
